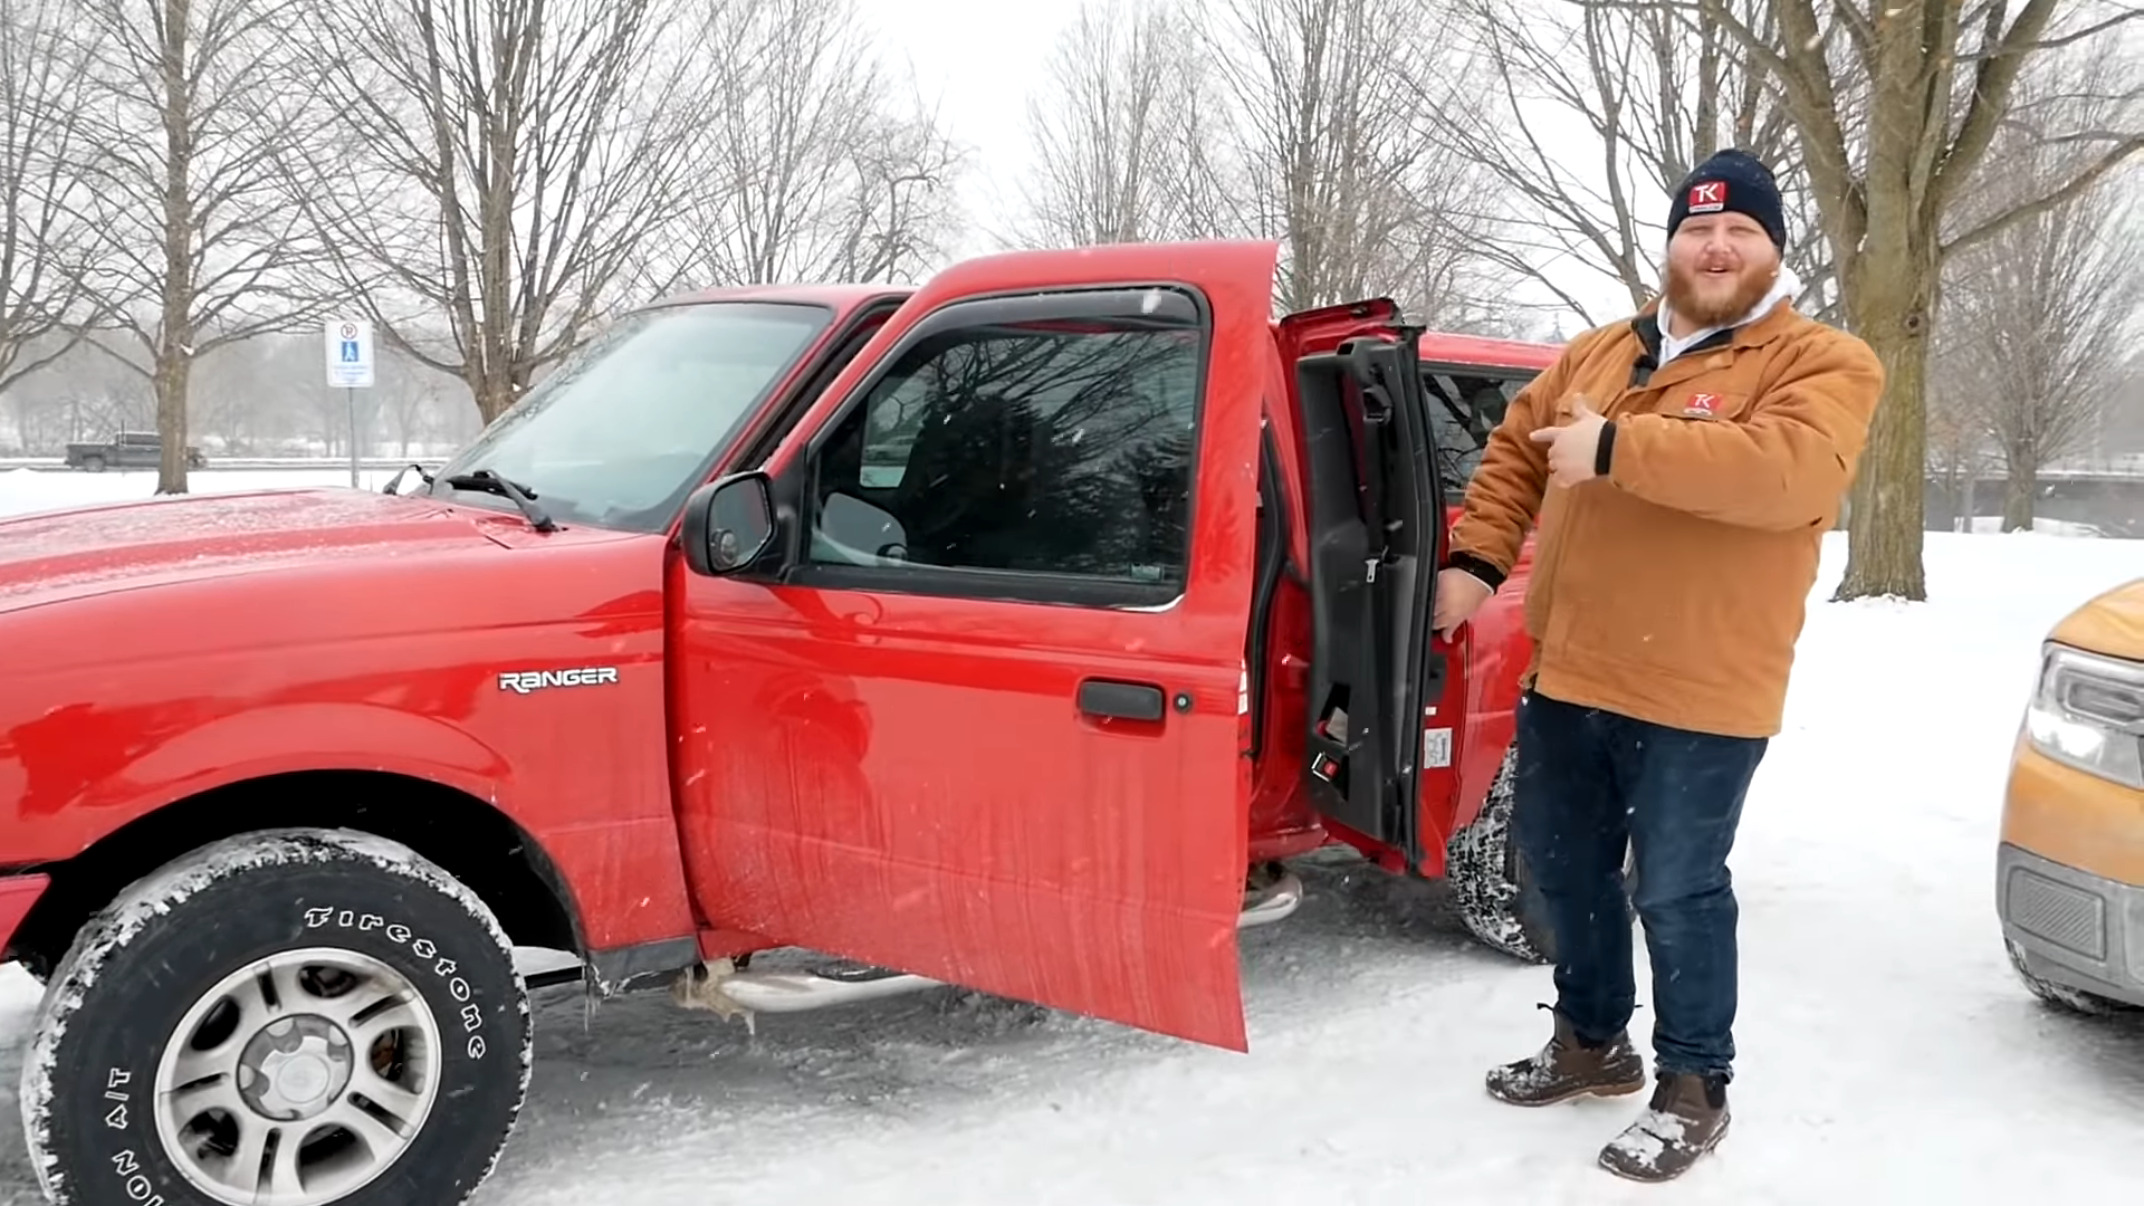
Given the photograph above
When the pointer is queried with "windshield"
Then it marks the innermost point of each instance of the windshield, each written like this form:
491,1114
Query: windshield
622,432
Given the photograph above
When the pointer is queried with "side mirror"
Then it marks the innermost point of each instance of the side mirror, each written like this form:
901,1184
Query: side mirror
729,524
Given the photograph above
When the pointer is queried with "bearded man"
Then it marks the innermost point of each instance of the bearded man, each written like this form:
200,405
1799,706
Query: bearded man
1683,467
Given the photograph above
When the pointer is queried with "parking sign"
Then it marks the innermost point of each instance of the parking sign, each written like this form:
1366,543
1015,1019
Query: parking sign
349,353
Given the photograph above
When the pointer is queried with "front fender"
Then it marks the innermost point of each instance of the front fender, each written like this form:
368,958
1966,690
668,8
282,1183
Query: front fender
89,772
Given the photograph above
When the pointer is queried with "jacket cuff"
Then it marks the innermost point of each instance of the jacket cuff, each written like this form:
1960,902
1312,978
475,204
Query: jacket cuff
1604,452
1490,576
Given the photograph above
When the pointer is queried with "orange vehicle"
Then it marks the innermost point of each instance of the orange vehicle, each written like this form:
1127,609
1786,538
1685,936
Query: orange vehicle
2070,869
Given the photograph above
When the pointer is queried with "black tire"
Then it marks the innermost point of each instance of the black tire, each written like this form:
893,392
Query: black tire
138,968
2062,996
1493,889
95,464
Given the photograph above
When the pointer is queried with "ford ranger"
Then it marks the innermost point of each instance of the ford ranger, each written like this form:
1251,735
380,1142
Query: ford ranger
1011,632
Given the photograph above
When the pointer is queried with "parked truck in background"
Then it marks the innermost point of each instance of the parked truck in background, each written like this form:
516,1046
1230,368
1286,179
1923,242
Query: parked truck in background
1012,632
127,450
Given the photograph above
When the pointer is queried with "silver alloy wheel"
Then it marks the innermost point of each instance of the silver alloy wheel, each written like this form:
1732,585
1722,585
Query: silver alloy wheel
297,1079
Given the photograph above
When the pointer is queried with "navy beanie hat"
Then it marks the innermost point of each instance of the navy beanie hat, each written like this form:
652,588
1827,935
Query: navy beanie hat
1731,181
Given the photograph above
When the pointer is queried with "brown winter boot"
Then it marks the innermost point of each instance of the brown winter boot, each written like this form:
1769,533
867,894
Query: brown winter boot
1566,1068
1686,1119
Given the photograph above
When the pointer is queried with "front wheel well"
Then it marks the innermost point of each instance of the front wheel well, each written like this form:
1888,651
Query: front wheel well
467,837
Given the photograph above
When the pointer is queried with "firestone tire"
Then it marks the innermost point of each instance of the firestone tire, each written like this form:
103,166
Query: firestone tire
1495,895
287,982
1492,886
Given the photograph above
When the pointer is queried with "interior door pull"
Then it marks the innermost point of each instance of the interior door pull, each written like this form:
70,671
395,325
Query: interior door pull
1122,701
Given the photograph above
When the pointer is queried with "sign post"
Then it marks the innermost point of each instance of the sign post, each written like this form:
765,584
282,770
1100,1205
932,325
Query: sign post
349,362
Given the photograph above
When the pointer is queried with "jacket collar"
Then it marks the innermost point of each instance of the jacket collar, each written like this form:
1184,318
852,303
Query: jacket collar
1773,324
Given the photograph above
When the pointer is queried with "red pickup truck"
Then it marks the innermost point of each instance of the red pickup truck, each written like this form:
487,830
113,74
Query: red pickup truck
1011,632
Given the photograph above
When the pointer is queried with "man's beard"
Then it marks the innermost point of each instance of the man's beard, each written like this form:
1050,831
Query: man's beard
1749,289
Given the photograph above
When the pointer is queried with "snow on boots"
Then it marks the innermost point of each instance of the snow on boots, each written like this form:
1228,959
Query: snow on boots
1567,1068
1686,1118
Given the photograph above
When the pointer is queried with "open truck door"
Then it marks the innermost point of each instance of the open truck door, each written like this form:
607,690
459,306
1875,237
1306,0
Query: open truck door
970,706
1376,519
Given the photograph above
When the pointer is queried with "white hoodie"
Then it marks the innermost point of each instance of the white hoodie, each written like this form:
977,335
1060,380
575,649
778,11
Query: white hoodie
1786,286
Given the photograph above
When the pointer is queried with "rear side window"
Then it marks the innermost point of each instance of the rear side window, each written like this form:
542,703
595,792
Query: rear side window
1058,450
1465,405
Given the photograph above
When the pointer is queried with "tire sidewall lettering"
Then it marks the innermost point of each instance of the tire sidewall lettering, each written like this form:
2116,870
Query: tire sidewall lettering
443,969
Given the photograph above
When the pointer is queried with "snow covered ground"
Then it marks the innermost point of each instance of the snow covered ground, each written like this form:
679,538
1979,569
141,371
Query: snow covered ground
25,490
1887,1053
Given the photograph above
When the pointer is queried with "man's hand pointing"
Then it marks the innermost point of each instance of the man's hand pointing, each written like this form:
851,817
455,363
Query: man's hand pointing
1574,447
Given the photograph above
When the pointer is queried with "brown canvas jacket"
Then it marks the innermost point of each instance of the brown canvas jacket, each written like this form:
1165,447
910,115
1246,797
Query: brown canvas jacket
1672,588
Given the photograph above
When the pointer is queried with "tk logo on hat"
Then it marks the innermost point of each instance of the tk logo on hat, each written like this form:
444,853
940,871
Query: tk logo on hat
1709,197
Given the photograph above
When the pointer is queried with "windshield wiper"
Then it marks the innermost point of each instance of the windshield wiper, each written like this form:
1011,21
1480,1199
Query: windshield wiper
522,496
396,480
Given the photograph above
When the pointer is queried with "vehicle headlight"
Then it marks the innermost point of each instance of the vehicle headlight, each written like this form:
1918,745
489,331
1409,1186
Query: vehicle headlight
2089,713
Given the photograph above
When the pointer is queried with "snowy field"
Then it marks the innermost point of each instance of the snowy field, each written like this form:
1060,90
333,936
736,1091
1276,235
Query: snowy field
25,490
1887,1054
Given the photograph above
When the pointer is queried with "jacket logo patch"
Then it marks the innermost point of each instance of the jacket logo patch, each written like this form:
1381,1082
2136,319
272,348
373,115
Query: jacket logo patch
1709,197
1702,406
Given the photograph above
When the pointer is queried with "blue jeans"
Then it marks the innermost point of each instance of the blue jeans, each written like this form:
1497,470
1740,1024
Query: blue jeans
1587,783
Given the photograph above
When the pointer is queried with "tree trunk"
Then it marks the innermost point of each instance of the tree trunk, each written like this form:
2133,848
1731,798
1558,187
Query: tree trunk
1890,310
494,393
174,344
170,387
2019,485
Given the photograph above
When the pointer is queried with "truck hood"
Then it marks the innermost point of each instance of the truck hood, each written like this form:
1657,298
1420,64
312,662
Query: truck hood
2110,624
61,555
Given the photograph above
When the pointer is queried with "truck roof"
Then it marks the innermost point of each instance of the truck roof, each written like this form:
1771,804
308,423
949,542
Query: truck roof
1440,348
840,297
1436,347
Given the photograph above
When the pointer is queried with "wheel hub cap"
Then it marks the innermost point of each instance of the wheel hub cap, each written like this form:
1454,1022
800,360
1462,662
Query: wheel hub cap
298,1079
295,1068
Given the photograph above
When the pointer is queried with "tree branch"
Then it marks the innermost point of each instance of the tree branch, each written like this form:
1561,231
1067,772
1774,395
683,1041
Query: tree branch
2069,191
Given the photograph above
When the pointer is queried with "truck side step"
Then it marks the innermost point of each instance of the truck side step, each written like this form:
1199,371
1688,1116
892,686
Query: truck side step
1276,901
718,987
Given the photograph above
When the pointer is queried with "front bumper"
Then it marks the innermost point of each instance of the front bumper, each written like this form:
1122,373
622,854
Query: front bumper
2074,928
18,893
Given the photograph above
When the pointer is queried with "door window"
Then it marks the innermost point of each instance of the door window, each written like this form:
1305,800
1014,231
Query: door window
1464,407
1054,452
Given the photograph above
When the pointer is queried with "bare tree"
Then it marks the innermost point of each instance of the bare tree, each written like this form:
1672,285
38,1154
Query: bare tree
815,170
1897,103
1958,440
499,163
187,107
43,240
87,392
1328,154
1655,95
1124,135
2040,316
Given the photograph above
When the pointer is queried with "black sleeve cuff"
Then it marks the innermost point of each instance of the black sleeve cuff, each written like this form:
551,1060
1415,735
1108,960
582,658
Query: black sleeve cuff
1604,452
1488,573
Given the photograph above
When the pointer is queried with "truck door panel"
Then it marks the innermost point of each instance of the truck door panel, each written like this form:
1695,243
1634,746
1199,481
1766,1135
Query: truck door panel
982,723
1376,529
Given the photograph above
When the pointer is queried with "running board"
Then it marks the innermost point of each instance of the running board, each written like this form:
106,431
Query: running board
1274,903
718,987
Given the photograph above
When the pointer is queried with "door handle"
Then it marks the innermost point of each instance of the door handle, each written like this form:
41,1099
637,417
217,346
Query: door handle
1122,701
